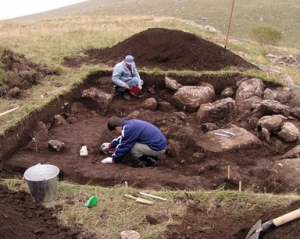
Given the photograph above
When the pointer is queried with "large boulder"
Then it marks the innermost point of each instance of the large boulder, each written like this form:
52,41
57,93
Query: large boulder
223,110
282,95
269,107
99,99
271,122
289,132
190,98
248,89
228,139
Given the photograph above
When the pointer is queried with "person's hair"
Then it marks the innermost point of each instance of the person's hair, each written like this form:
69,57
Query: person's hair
114,122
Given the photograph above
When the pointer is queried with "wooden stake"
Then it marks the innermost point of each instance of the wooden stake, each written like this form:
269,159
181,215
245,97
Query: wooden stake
153,196
228,175
8,111
229,24
240,186
139,200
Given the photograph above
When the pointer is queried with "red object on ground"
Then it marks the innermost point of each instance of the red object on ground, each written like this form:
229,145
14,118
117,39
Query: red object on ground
134,90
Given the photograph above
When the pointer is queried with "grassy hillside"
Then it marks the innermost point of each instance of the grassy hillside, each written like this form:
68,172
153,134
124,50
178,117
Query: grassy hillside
283,15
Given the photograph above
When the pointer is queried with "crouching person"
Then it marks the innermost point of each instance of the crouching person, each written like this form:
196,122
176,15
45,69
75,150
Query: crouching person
141,139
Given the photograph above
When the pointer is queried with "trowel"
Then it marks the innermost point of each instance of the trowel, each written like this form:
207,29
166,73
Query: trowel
276,222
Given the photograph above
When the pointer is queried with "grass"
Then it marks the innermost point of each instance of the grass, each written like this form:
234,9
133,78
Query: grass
283,15
49,41
114,213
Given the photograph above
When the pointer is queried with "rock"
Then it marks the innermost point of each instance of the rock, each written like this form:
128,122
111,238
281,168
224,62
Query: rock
101,99
295,112
172,84
248,88
56,145
209,126
180,115
293,153
191,97
295,99
270,94
164,105
215,142
271,122
83,151
59,120
149,104
223,110
265,134
41,132
289,132
173,148
249,104
274,107
130,235
227,92
133,115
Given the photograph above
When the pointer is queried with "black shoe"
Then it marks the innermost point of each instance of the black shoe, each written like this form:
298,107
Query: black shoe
151,162
148,162
126,96
142,164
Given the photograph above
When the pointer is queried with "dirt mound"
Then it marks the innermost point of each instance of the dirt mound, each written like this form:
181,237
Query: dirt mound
222,225
22,218
167,50
17,74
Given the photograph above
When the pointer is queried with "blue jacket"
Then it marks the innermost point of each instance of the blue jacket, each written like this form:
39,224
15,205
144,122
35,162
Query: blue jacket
121,74
140,131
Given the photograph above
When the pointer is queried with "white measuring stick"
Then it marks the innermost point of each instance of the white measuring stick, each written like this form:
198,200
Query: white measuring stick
224,135
228,132
153,196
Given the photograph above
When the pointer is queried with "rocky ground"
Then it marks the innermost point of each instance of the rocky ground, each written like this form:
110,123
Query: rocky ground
262,153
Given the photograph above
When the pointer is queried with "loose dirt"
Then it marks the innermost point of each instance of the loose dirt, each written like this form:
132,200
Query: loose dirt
84,125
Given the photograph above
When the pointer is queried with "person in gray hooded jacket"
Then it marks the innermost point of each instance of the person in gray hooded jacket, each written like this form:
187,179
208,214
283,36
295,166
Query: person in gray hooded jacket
125,75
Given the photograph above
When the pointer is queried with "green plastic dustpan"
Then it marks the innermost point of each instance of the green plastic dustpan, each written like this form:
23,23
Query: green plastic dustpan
91,202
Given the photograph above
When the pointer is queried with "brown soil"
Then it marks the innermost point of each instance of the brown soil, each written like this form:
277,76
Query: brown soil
22,218
167,50
87,126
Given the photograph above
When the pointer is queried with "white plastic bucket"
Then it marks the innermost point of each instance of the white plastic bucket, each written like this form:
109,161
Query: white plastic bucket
42,180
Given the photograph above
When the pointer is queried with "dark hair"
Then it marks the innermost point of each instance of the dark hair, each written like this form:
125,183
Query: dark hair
114,122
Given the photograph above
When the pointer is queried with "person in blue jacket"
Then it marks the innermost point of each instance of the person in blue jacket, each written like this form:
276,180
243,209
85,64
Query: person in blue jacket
141,139
125,75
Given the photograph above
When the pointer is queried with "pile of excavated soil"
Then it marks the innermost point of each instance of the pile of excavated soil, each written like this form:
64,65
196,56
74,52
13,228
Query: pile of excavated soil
167,50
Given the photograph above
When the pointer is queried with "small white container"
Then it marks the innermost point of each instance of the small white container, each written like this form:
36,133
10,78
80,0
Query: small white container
83,151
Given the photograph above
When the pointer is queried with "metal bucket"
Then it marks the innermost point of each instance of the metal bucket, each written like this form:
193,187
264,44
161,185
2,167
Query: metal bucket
42,180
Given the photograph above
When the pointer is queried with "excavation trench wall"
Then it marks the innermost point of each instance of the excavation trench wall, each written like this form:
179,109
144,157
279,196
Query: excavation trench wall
20,134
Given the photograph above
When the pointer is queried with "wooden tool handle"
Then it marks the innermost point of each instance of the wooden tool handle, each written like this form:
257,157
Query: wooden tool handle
139,200
130,196
153,196
8,111
286,218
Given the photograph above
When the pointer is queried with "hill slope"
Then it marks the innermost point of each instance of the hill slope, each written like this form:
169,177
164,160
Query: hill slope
283,15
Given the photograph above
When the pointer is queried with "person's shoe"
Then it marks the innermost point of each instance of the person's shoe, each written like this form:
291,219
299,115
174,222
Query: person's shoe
126,96
151,162
142,164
